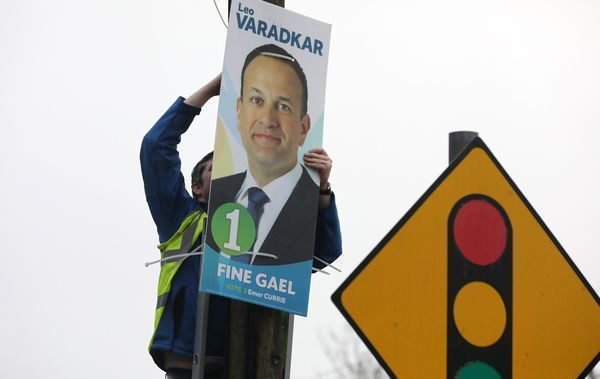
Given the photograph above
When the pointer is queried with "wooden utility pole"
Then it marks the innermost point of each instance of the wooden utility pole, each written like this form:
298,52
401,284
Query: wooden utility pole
259,342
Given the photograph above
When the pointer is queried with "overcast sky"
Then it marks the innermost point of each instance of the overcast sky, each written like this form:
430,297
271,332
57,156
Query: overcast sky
82,81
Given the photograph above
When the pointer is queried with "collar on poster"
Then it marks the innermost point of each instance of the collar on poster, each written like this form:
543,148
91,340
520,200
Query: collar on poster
248,23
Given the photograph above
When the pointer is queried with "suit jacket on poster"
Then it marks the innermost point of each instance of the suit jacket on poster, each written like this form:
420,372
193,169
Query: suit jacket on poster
292,237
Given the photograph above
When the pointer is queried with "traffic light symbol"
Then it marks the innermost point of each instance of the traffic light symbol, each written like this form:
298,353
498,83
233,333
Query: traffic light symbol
479,343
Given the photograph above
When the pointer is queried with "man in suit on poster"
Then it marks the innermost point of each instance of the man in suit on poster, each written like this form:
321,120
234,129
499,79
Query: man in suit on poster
273,123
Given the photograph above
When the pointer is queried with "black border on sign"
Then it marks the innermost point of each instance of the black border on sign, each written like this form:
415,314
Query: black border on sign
336,297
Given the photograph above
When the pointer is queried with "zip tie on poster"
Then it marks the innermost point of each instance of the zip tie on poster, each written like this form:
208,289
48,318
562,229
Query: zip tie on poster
254,255
258,253
275,55
196,252
220,15
172,257
326,263
320,271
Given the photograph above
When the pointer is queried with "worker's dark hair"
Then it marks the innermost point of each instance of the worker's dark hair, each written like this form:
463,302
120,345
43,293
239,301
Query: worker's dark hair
274,51
197,171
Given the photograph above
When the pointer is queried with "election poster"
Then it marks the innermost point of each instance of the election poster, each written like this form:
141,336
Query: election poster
263,202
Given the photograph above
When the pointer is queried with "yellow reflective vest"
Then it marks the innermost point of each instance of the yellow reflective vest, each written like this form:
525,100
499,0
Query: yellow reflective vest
176,247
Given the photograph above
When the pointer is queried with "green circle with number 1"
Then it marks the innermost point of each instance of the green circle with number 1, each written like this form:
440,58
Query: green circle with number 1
233,229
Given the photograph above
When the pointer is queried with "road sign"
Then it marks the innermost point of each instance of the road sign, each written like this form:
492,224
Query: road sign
472,284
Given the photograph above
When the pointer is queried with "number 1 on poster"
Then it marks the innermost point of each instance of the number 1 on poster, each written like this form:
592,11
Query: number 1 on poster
234,221
233,229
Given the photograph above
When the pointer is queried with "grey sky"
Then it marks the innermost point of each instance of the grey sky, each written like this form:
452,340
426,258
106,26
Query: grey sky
82,81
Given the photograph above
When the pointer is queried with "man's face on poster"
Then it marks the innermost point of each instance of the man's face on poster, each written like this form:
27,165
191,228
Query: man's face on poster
269,115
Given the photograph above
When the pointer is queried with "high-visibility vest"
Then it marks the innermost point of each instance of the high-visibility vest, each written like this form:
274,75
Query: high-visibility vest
181,242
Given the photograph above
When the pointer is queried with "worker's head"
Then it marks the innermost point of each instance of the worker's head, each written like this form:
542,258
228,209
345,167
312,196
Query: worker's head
272,110
201,178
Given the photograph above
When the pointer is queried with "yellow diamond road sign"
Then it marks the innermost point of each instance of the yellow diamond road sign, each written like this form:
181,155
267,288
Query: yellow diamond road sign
472,284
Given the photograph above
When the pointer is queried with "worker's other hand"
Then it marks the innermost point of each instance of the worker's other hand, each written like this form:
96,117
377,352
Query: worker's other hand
318,159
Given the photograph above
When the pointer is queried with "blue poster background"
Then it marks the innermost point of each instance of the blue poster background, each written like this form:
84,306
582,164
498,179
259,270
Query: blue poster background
221,276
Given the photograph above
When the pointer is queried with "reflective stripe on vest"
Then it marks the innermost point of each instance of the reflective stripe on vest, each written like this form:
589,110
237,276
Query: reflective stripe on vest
187,240
181,242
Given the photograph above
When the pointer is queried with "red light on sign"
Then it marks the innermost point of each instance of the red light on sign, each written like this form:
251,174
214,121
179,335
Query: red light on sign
480,232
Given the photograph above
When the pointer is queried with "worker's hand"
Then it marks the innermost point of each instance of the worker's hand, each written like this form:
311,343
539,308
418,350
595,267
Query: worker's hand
318,159
200,97
214,86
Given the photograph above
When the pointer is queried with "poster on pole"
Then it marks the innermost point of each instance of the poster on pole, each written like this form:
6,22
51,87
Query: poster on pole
263,200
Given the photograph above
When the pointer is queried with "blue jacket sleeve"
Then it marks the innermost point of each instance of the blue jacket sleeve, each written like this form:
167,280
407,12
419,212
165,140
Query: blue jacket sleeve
164,184
328,238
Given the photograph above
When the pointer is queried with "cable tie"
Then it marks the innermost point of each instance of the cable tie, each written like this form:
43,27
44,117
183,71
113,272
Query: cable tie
172,257
275,55
321,271
220,15
258,253
327,263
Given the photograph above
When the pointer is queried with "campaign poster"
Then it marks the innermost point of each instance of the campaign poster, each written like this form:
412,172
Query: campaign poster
259,241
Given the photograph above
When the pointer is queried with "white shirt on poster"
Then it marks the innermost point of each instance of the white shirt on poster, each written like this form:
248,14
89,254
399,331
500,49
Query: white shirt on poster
278,191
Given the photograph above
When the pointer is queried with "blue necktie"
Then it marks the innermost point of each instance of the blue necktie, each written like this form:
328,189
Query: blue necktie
257,199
